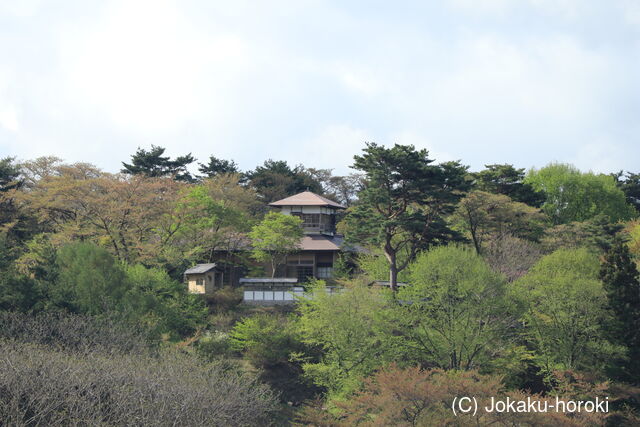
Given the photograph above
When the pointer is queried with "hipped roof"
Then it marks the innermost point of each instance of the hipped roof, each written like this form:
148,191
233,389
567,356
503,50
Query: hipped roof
307,198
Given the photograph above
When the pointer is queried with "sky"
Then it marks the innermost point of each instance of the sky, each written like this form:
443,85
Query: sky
524,82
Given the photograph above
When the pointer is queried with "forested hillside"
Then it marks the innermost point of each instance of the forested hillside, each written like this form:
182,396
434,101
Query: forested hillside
497,282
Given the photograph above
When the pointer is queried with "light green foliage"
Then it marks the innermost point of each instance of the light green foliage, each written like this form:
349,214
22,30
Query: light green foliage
354,331
161,303
376,267
89,280
571,195
274,237
565,310
266,339
455,314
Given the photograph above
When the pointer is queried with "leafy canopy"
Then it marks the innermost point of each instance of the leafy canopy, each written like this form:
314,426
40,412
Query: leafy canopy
274,237
571,195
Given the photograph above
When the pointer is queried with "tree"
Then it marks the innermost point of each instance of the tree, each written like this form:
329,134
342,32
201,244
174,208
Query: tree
482,215
622,285
565,308
275,180
152,163
454,314
353,329
403,202
342,189
630,185
275,237
571,195
507,180
89,280
217,167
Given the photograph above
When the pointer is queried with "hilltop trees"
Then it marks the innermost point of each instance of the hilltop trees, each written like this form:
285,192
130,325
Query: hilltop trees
484,215
403,202
571,195
275,180
217,166
507,180
152,163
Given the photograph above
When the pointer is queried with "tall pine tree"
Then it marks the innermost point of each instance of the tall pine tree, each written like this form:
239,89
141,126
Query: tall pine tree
620,277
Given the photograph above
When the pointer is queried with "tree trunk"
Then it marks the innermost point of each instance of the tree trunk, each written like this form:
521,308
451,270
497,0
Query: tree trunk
393,277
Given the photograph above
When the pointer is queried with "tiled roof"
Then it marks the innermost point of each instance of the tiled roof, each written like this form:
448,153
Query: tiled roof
200,268
307,198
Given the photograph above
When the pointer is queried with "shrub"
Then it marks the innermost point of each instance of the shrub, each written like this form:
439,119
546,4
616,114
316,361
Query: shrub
74,332
266,339
44,386
416,397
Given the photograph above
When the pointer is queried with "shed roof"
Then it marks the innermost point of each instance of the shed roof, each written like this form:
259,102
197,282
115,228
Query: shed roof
307,198
200,268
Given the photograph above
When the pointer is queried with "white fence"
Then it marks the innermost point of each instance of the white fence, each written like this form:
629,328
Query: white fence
273,295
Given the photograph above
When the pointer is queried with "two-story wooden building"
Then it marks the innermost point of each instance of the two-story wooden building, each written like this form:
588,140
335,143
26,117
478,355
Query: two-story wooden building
320,245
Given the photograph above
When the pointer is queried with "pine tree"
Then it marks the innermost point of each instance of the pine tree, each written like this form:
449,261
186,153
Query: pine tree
620,277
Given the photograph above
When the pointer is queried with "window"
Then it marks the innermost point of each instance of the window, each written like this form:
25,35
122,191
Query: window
200,282
325,272
304,273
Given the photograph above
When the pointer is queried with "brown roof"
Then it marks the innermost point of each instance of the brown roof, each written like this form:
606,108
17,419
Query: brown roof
318,242
307,198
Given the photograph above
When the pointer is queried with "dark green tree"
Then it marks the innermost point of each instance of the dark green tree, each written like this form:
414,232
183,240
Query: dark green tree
620,276
218,166
629,183
506,179
275,180
152,163
404,201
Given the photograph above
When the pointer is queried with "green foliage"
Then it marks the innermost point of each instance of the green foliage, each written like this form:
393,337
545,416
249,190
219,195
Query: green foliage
403,202
571,195
275,180
161,303
152,163
214,345
622,285
274,237
565,309
597,234
218,166
481,215
353,330
89,280
509,181
266,339
630,185
375,266
455,314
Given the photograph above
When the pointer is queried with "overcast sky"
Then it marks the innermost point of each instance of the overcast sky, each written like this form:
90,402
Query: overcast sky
485,81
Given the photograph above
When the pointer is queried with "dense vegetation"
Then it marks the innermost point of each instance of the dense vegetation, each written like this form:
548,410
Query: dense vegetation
502,282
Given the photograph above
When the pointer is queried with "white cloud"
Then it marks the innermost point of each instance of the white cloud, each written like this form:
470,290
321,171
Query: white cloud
9,118
148,69
332,148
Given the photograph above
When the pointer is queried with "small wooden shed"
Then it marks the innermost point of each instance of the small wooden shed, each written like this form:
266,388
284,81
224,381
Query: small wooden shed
203,278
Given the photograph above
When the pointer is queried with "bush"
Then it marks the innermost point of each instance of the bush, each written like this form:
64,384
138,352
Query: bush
74,332
265,339
225,299
416,397
44,386
214,345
